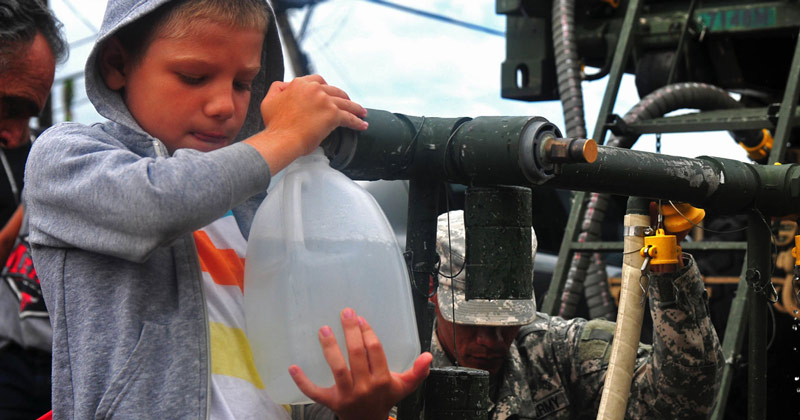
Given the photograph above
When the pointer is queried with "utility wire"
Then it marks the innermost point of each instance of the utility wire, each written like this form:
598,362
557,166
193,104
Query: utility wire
304,25
85,40
438,17
80,16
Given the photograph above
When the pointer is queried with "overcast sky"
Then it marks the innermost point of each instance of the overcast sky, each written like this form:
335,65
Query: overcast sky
401,62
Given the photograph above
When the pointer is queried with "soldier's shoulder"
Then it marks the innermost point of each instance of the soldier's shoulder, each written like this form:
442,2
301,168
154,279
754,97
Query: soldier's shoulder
554,326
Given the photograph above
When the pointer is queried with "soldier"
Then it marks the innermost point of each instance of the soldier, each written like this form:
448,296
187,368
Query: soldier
31,44
548,367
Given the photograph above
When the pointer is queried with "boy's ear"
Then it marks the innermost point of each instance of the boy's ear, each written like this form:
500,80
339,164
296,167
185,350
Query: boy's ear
113,63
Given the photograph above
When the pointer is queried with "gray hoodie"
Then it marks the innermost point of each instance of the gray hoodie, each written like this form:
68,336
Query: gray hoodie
111,217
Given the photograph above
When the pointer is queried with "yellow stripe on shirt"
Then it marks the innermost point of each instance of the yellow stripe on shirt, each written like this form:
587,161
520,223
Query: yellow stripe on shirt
231,354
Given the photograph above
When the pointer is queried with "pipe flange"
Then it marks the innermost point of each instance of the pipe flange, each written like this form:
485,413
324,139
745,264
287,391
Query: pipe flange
535,166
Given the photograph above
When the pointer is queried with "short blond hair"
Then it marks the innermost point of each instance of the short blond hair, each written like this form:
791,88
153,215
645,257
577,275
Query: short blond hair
178,18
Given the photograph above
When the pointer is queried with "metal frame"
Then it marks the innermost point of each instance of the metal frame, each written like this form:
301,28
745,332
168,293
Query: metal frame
748,306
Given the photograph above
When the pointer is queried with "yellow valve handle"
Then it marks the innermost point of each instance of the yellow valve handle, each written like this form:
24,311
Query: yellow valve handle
761,150
796,254
661,248
681,217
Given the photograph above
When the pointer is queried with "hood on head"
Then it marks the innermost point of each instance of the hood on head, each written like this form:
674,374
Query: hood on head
109,103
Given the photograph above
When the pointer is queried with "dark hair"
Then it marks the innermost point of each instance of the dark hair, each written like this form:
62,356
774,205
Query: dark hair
20,20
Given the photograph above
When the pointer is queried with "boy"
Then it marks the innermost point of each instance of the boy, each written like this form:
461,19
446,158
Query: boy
139,324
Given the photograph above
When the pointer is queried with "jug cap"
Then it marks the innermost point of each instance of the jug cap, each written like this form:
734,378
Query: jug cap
451,240
317,155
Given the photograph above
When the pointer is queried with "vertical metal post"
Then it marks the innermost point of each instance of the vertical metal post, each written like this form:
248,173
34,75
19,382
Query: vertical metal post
297,57
790,95
624,46
565,255
732,345
759,272
423,200
737,323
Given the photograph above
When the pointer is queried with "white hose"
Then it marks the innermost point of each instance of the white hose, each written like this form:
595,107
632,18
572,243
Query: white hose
629,327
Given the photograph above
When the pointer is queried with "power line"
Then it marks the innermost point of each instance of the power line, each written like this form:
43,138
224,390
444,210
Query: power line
85,40
438,17
80,16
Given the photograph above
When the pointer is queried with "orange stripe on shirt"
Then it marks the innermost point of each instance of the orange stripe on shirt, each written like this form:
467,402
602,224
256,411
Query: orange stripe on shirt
224,266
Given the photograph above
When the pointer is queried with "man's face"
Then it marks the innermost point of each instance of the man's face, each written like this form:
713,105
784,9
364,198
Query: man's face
24,88
478,346
193,91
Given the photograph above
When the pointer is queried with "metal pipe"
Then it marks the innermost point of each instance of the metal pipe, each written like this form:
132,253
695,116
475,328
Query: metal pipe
422,259
759,273
732,345
529,151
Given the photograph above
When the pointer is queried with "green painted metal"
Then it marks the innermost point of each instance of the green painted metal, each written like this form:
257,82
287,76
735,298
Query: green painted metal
734,119
528,72
735,330
480,151
422,259
788,109
499,263
457,393
565,254
725,186
736,18
617,246
758,276
624,47
747,302
657,24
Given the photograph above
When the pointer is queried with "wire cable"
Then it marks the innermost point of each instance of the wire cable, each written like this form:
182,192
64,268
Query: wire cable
439,17
80,16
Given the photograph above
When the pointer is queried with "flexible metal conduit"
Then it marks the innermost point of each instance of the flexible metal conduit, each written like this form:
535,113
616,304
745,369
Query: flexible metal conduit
568,67
568,71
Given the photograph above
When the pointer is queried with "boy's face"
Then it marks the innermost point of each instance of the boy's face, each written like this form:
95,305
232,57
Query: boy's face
193,91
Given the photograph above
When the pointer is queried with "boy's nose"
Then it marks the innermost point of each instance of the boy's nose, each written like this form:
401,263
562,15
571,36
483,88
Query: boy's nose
221,105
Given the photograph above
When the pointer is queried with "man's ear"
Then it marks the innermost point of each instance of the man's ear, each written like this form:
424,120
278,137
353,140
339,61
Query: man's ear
113,63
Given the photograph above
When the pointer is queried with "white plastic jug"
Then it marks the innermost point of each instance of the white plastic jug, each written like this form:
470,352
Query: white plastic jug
320,243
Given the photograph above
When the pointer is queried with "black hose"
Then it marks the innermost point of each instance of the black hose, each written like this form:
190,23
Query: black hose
568,71
701,96
568,67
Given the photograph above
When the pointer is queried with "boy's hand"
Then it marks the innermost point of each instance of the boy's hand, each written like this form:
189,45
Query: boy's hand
298,115
368,390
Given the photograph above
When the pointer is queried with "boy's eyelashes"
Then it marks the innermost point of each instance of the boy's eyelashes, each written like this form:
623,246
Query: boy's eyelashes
243,86
197,80
191,80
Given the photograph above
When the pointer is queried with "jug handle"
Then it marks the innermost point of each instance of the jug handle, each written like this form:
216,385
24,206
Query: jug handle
293,222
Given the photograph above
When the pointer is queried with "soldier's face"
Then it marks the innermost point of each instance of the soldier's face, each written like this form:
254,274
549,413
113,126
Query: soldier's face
477,346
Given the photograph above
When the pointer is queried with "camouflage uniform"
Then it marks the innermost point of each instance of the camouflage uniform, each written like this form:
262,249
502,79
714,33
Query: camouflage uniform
556,368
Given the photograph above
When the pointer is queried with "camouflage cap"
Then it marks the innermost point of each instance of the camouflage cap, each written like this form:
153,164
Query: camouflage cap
451,236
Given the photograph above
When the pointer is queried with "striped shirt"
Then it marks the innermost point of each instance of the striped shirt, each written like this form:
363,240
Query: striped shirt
236,389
